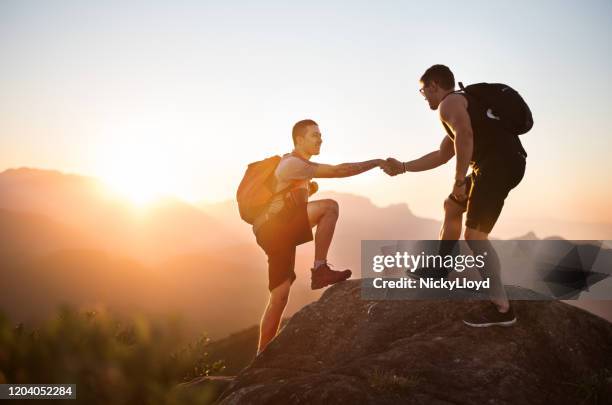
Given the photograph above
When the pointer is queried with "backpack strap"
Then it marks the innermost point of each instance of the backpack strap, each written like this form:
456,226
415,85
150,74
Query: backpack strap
462,91
265,216
284,190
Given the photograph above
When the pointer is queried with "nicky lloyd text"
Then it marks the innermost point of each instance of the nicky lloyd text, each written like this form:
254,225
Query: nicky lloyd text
430,283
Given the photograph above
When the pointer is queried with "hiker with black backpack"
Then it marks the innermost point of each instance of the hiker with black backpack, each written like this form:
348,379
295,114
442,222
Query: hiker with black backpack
273,197
482,124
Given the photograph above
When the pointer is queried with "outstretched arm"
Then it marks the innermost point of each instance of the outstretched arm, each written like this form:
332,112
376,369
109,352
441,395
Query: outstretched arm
347,169
425,162
432,159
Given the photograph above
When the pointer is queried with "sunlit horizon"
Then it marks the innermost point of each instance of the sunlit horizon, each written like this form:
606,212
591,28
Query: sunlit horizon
136,164
176,100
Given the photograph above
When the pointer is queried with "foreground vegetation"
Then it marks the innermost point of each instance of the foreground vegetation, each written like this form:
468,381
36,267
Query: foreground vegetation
110,359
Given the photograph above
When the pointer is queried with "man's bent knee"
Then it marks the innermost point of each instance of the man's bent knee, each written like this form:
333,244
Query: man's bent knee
332,207
452,207
473,234
280,295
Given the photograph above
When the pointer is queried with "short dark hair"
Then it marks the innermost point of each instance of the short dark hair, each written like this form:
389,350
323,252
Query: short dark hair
440,74
299,127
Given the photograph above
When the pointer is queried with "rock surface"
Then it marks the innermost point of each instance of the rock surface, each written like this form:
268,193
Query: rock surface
342,349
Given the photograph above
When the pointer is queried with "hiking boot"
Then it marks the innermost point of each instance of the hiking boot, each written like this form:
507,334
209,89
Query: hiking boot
324,276
489,316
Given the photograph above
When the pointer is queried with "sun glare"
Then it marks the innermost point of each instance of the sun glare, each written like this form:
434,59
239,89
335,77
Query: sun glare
136,186
139,168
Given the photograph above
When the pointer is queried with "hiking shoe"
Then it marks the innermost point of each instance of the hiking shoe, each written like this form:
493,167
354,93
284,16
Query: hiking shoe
324,276
489,316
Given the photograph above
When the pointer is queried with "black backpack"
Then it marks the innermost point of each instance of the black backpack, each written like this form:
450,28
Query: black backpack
504,106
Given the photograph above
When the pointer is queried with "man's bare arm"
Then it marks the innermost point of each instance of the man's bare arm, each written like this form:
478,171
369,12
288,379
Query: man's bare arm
346,169
453,112
432,159
426,162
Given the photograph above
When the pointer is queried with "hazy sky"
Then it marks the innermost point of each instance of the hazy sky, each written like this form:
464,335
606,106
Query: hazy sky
179,96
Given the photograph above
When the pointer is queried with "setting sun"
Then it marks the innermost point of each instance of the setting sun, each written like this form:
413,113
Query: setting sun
138,186
138,166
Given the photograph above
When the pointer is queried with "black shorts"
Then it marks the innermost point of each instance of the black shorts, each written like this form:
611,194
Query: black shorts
488,186
278,237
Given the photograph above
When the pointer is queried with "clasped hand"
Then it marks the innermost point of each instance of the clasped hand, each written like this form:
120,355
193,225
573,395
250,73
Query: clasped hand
392,166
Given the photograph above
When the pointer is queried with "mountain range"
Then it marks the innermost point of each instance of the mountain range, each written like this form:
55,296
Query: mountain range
65,238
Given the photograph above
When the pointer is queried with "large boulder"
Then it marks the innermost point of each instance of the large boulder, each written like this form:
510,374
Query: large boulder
342,349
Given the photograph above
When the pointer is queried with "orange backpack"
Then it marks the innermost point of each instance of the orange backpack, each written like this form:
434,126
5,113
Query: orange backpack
256,188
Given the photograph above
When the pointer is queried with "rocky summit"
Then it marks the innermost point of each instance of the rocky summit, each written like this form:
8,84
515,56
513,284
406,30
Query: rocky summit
343,349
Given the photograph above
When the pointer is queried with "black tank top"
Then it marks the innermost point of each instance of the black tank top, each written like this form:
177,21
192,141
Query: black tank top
489,146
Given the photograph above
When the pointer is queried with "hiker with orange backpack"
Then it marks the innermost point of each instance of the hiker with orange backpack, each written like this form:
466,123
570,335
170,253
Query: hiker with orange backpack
273,197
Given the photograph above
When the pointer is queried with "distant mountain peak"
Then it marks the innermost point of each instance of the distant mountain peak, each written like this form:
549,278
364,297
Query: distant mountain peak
359,200
32,171
24,175
528,236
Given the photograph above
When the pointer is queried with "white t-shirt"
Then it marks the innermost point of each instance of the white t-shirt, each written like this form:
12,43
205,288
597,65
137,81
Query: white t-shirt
295,170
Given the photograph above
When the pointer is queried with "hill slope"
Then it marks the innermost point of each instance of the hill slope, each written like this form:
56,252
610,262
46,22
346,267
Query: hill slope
342,349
